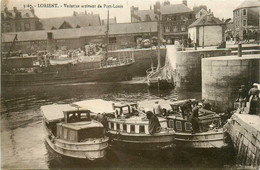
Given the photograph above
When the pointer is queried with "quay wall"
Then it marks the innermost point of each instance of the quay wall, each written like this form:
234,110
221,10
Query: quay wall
223,76
244,131
186,66
143,59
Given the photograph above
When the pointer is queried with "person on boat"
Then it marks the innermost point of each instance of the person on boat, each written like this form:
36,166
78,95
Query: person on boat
154,124
206,105
186,109
241,98
194,118
254,99
73,118
157,109
102,119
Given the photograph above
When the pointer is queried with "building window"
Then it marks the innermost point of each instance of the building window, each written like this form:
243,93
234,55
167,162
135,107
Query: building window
244,12
112,39
18,27
244,23
175,29
183,28
26,26
8,27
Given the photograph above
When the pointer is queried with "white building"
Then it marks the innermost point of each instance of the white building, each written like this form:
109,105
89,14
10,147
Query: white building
207,30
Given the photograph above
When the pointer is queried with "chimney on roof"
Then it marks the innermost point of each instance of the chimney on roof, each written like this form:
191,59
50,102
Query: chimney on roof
86,12
209,10
74,13
91,12
6,9
150,7
184,2
32,9
15,9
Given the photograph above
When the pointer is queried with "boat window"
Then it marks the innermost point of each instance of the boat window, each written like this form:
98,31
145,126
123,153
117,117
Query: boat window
171,124
178,125
95,132
188,126
124,127
112,126
142,129
132,128
118,126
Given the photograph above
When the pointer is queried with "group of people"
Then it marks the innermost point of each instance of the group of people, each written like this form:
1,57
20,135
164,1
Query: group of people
251,96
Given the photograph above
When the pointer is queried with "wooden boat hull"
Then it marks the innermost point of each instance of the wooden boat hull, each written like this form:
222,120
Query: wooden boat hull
90,150
116,73
145,142
205,140
160,84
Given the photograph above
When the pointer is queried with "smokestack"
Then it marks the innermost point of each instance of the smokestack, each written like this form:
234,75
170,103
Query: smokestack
184,2
15,9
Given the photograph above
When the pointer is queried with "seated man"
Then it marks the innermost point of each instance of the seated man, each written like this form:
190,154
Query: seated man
73,118
154,124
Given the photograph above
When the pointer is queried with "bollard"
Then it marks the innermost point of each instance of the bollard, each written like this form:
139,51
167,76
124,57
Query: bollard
195,45
239,50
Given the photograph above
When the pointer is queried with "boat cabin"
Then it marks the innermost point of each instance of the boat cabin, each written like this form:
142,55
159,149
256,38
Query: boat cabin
78,127
207,119
128,122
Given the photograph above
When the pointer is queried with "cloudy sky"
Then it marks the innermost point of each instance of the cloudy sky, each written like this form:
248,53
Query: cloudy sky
220,8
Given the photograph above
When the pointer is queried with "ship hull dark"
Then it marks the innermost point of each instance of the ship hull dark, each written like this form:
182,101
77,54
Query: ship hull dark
107,74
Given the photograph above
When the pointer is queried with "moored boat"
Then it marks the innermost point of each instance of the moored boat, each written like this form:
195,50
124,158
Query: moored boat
73,133
210,136
128,126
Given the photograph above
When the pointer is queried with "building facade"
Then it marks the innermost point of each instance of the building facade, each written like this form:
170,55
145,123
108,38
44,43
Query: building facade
207,31
246,18
174,19
19,20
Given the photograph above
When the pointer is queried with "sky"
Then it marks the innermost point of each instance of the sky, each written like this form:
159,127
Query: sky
220,8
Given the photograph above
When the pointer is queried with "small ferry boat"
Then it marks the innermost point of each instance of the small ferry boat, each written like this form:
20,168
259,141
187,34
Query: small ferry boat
128,126
72,132
129,130
210,135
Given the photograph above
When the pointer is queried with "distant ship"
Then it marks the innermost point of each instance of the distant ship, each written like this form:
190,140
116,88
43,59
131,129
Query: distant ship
69,71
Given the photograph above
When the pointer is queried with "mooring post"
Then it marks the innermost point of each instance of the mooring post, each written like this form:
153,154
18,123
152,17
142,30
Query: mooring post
239,50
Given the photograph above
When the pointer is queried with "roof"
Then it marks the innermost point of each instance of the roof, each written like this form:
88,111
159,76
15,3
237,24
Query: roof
96,105
111,21
114,29
175,9
55,112
249,4
165,9
80,20
208,19
83,125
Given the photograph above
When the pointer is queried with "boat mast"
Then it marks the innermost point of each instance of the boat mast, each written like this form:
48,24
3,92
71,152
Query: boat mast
107,36
158,12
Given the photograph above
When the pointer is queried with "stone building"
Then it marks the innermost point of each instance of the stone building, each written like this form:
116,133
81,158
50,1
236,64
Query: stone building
200,11
19,20
246,18
175,19
207,31
111,21
121,35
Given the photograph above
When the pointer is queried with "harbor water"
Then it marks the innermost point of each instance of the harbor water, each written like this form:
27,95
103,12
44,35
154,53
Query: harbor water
22,138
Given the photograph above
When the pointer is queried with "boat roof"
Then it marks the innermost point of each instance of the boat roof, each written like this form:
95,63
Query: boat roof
147,105
96,105
54,112
82,125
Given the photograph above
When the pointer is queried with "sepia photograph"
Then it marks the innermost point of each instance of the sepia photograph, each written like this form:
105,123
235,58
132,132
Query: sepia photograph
130,84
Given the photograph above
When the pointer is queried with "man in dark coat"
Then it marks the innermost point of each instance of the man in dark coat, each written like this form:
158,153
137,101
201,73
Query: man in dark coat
154,124
241,98
194,119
